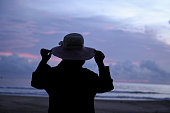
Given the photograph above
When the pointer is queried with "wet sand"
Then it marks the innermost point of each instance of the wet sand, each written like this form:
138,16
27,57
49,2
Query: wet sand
29,104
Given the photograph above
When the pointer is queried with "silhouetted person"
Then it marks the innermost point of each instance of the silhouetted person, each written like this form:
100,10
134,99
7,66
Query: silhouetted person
72,88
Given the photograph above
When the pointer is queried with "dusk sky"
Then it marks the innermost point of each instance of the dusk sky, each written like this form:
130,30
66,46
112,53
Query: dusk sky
133,34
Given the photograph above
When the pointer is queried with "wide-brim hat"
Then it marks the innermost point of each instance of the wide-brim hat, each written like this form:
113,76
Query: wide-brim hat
72,48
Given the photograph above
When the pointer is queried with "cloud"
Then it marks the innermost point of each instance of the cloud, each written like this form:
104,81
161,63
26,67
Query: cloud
54,32
15,66
28,26
133,12
134,71
21,64
5,53
145,70
152,67
11,45
86,33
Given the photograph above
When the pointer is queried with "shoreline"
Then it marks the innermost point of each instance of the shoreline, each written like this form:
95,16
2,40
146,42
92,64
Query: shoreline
35,104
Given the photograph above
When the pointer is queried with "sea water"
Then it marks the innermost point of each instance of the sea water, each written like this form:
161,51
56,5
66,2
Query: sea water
138,91
124,91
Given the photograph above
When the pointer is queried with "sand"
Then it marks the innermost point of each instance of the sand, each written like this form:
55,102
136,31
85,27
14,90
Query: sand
28,104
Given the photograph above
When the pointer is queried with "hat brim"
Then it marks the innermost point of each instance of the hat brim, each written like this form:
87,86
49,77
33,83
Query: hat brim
85,53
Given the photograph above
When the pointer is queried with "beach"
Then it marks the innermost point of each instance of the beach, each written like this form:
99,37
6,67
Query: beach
33,104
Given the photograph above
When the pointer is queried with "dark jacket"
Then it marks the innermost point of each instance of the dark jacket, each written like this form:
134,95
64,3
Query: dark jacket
71,89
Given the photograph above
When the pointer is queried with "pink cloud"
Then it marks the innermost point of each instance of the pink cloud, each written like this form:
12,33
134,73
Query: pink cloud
136,63
30,56
168,51
113,63
54,32
85,33
108,28
5,53
49,32
35,40
50,15
19,27
147,48
109,61
16,43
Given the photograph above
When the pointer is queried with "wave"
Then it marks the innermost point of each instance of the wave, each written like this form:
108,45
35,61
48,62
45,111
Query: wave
137,92
11,87
10,90
118,91
117,94
25,93
113,91
131,98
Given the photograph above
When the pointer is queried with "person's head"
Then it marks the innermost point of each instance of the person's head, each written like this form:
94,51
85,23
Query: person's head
72,48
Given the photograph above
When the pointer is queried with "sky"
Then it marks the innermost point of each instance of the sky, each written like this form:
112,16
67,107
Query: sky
133,34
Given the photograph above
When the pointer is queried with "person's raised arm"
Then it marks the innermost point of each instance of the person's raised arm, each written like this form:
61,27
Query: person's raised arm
46,55
39,76
105,81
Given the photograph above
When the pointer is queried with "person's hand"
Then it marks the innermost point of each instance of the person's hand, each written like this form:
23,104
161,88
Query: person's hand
99,57
45,54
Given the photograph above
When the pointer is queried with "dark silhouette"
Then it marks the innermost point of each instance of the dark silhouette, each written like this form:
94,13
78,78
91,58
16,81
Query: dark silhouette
71,88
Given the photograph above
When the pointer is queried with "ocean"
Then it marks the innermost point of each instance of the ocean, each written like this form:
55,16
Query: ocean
122,91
